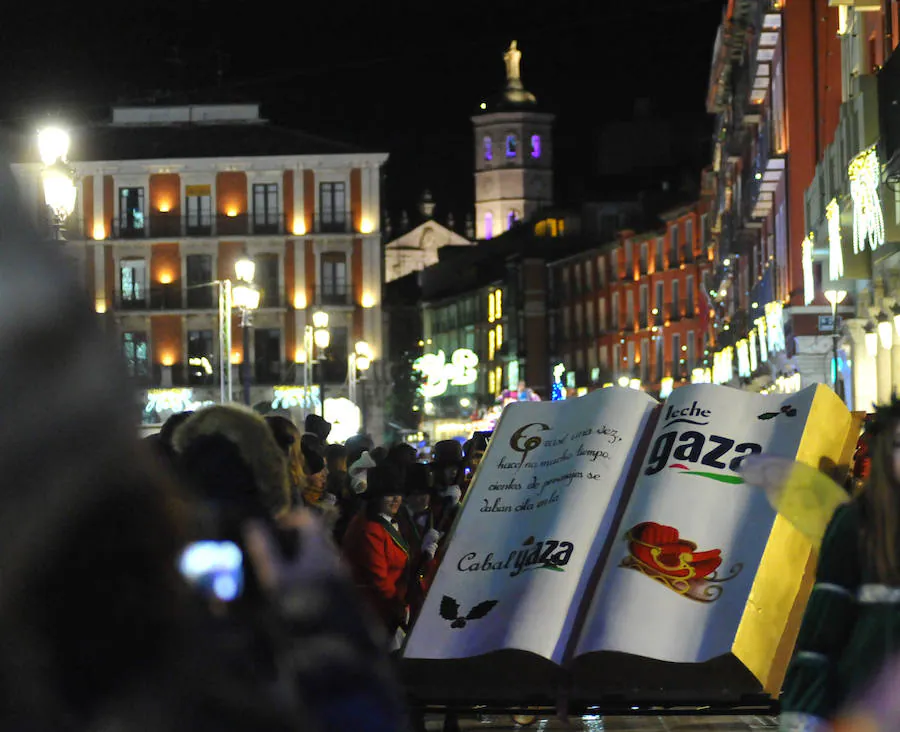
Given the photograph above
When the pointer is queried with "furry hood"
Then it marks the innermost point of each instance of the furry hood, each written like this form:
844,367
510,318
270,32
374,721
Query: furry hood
249,433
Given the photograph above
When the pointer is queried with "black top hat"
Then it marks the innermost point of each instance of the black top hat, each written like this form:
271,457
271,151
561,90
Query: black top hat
447,452
317,426
417,479
383,480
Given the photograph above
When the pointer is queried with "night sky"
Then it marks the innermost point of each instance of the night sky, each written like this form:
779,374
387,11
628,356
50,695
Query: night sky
397,76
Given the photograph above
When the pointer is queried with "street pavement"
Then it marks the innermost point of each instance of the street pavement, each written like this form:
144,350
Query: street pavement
631,723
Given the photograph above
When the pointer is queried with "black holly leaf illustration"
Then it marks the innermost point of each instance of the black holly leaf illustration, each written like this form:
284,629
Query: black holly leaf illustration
481,609
449,608
768,415
458,623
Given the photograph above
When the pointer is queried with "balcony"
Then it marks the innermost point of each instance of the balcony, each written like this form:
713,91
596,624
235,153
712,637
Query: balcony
169,226
335,295
170,297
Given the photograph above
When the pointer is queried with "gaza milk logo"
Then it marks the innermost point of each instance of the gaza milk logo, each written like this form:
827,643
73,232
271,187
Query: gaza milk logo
550,554
683,448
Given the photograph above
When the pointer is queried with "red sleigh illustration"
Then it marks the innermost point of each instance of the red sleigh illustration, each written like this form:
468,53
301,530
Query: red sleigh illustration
658,552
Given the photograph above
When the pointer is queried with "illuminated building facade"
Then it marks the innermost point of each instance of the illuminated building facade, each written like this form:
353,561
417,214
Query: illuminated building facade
774,89
170,197
634,309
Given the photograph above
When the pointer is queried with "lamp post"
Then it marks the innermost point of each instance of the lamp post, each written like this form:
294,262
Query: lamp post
315,336
246,298
358,362
835,297
57,176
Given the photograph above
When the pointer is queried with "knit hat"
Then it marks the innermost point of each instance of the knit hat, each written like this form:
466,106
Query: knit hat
219,434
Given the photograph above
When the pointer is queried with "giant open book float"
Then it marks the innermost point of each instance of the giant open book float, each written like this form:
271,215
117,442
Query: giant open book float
609,547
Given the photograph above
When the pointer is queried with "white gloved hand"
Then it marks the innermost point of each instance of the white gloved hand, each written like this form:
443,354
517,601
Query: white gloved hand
454,493
430,542
329,499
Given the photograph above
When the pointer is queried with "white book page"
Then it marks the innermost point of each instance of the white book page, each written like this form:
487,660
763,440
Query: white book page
532,527
693,534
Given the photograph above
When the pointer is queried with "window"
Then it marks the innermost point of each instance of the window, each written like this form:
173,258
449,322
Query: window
199,280
631,359
660,249
576,277
601,315
488,225
629,310
660,357
776,119
588,275
690,296
488,149
673,249
689,239
616,365
535,146
133,283
601,272
137,356
334,278
604,357
629,260
198,209
589,318
131,212
511,217
492,345
512,146
567,323
691,350
645,306
703,233
333,206
267,279
201,357
579,323
659,303
676,355
265,207
676,305
644,256
616,323
267,355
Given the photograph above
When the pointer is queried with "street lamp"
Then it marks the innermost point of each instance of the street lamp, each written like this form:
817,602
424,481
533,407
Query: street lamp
315,336
57,176
835,297
358,362
245,296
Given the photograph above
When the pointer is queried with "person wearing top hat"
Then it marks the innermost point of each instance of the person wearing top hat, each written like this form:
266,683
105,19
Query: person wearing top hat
376,551
447,468
316,425
416,522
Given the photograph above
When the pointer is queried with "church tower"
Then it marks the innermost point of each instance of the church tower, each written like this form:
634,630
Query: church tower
513,155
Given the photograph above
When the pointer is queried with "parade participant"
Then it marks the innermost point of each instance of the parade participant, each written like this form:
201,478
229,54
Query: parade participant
416,522
522,394
447,469
473,450
350,502
376,551
852,622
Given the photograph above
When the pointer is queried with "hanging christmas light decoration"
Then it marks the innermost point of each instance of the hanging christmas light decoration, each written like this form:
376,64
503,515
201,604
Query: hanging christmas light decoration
835,255
809,282
868,218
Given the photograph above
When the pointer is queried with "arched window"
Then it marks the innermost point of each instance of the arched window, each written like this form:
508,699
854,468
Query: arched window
488,149
488,225
535,146
511,218
512,146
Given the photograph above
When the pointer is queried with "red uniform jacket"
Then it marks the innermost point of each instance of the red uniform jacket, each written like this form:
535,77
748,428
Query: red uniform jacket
379,556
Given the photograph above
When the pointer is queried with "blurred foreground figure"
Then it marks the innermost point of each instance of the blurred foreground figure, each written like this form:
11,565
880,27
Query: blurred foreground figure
852,622
98,629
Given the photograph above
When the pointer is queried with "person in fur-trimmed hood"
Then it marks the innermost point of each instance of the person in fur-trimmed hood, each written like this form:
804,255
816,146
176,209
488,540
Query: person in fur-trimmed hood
231,457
